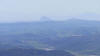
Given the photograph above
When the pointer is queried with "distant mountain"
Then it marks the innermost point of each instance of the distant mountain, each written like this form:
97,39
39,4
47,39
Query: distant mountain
80,36
89,16
44,18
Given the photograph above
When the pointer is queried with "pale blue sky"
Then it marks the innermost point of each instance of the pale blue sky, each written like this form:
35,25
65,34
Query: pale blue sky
28,10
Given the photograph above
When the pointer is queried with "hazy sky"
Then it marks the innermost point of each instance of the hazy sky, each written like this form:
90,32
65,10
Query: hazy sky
28,10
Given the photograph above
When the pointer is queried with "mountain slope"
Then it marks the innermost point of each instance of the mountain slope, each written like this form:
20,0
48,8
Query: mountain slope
33,52
76,35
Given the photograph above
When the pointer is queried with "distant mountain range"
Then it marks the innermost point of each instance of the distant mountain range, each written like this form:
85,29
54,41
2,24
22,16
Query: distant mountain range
74,35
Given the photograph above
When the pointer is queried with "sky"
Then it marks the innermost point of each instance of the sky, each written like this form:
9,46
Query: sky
32,10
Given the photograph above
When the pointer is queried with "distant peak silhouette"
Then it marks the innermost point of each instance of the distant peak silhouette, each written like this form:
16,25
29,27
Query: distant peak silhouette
44,18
